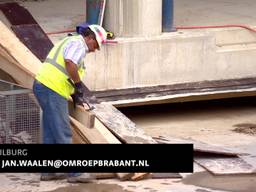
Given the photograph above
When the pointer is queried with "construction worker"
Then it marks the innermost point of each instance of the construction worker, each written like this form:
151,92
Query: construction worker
60,77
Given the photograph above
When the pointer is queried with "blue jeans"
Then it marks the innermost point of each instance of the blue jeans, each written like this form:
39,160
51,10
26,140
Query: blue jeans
55,117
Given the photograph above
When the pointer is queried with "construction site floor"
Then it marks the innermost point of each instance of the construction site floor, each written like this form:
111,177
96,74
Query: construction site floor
208,122
211,122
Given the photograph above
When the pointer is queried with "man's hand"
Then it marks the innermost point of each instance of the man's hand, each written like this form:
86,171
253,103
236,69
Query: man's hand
77,97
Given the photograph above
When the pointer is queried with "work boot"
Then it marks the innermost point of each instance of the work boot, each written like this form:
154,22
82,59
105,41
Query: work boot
53,176
83,178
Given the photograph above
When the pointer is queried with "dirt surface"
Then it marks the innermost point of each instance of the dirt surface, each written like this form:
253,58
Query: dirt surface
239,183
246,128
207,121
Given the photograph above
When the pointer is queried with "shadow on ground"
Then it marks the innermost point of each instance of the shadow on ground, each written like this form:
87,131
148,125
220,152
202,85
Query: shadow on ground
91,187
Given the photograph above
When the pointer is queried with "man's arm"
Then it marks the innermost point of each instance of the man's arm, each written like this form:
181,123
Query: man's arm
72,70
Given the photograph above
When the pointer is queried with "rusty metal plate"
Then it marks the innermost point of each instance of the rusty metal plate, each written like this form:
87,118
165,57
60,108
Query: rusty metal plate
34,38
16,14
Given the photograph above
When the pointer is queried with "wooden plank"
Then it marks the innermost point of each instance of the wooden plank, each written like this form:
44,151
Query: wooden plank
18,55
23,78
225,166
120,125
124,176
91,134
203,148
80,115
33,35
76,138
140,176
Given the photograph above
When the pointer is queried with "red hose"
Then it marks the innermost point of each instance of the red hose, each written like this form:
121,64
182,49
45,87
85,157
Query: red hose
217,26
179,27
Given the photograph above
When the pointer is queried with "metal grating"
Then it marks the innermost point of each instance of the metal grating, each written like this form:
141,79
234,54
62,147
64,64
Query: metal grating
19,115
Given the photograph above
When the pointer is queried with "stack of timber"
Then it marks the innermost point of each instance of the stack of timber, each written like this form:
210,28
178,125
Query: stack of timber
20,63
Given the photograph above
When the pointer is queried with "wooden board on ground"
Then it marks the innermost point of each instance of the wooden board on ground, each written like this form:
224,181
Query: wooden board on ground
199,146
140,176
120,125
224,166
124,176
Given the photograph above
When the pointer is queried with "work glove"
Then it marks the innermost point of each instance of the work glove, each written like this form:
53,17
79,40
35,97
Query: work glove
77,97
89,97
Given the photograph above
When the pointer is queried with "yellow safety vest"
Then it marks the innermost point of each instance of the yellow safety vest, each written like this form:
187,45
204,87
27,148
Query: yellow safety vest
53,73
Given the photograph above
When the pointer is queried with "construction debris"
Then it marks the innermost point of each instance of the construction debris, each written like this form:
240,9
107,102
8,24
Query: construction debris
199,147
225,165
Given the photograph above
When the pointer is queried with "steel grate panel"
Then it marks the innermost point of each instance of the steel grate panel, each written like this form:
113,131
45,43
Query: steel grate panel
19,117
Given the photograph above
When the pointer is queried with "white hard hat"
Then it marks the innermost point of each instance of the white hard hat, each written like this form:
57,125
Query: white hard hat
100,33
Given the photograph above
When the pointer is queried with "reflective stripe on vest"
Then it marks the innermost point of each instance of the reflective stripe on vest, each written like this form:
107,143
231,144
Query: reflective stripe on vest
53,61
53,73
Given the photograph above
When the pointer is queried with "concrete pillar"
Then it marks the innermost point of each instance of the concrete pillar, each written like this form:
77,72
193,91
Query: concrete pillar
132,18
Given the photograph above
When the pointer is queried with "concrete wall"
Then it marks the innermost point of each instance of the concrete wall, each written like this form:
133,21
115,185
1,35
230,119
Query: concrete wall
173,58
131,18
